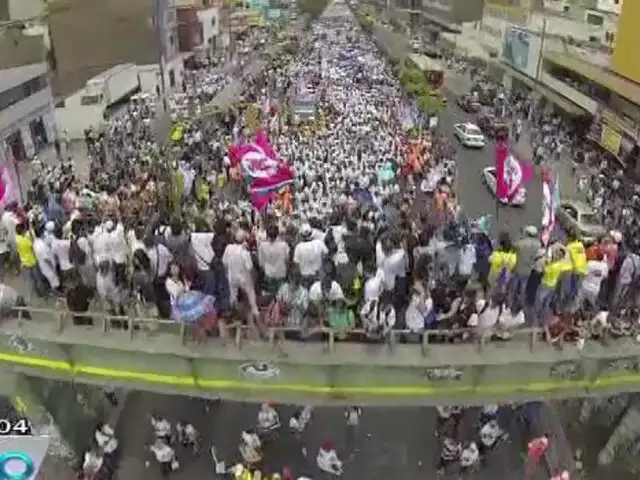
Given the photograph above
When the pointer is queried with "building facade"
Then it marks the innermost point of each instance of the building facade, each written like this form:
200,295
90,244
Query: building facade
26,111
198,26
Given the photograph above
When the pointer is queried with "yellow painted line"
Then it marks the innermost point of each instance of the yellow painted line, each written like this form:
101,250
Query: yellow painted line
398,391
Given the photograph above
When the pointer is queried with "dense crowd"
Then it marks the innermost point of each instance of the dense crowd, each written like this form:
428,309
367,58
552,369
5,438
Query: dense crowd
367,239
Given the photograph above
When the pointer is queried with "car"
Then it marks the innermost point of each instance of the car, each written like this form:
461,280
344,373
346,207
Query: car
490,180
468,104
469,135
580,219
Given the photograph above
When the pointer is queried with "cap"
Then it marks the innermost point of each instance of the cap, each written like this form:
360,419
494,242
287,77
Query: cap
531,231
49,226
327,445
305,230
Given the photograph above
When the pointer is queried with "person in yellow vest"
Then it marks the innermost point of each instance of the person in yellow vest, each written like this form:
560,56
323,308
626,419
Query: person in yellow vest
28,262
551,274
578,260
502,262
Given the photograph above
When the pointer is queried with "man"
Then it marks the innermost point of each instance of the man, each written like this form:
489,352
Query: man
239,265
527,251
273,256
308,255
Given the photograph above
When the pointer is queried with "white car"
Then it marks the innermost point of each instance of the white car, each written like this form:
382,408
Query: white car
469,135
489,179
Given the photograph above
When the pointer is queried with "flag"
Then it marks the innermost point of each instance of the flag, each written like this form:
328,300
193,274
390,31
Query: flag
502,152
261,167
549,205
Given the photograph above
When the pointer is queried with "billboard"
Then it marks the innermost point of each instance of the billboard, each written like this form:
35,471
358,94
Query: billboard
625,52
521,50
453,11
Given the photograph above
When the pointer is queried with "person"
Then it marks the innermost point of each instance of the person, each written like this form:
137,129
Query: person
490,433
46,260
161,428
165,456
176,285
597,271
449,453
188,436
327,459
28,261
239,266
300,419
250,447
273,257
92,464
469,457
106,439
308,255
268,419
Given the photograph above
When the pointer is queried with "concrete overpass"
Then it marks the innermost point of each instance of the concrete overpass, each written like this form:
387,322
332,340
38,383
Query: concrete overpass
160,356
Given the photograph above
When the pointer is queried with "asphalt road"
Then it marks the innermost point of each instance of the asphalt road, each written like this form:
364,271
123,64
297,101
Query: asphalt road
389,443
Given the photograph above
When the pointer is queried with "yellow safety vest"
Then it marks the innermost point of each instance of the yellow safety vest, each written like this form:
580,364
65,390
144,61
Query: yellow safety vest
24,246
551,274
500,260
578,256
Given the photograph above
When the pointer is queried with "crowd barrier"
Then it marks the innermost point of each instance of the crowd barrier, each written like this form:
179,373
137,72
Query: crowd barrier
235,334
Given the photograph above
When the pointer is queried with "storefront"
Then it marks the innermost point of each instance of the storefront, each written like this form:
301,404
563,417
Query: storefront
617,136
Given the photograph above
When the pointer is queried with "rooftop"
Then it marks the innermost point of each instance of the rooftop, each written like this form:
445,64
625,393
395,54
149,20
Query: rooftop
12,77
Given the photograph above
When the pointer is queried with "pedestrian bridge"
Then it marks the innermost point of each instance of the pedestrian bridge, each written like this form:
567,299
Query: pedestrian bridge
161,356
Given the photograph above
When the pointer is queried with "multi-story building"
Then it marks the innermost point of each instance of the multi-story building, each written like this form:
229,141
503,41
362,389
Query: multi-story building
198,25
86,37
26,111
441,15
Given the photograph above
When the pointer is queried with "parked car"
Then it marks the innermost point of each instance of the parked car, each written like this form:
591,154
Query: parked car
490,180
468,104
580,219
469,135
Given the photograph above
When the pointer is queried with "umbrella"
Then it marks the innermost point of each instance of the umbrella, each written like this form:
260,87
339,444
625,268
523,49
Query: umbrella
191,306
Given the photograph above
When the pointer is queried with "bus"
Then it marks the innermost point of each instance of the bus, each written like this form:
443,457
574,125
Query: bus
433,69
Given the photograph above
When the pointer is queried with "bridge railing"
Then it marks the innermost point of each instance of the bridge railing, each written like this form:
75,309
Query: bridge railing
234,334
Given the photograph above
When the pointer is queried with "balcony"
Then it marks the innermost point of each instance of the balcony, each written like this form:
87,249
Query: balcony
569,92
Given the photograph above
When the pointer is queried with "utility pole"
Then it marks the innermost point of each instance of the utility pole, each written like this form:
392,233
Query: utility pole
543,37
161,38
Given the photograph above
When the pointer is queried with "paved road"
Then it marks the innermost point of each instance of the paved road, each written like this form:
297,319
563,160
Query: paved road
390,443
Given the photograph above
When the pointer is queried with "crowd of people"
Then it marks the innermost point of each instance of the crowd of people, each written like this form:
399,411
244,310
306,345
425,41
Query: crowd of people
367,239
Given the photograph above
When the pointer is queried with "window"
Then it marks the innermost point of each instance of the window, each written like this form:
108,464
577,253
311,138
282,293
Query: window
20,92
594,19
91,99
213,22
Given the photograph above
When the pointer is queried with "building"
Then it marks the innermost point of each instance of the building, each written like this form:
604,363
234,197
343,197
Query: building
441,15
591,73
86,37
198,26
12,10
26,110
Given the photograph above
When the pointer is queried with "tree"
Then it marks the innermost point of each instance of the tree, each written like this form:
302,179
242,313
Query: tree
312,7
431,103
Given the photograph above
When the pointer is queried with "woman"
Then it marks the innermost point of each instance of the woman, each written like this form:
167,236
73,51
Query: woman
176,285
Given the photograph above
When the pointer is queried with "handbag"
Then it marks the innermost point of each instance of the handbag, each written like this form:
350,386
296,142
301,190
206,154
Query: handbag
175,464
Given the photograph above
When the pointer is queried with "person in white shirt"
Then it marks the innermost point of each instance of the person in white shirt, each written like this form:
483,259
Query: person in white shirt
165,456
161,428
92,464
175,284
100,244
299,420
469,457
485,317
60,249
46,260
490,433
268,418
119,250
239,265
106,440
250,447
110,294
202,250
188,436
308,255
333,293
327,459
273,257
597,271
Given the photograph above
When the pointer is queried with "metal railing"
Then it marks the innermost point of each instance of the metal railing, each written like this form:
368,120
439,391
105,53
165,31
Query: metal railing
236,334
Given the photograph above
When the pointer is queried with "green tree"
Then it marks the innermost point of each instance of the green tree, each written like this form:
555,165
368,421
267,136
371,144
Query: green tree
431,102
312,7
